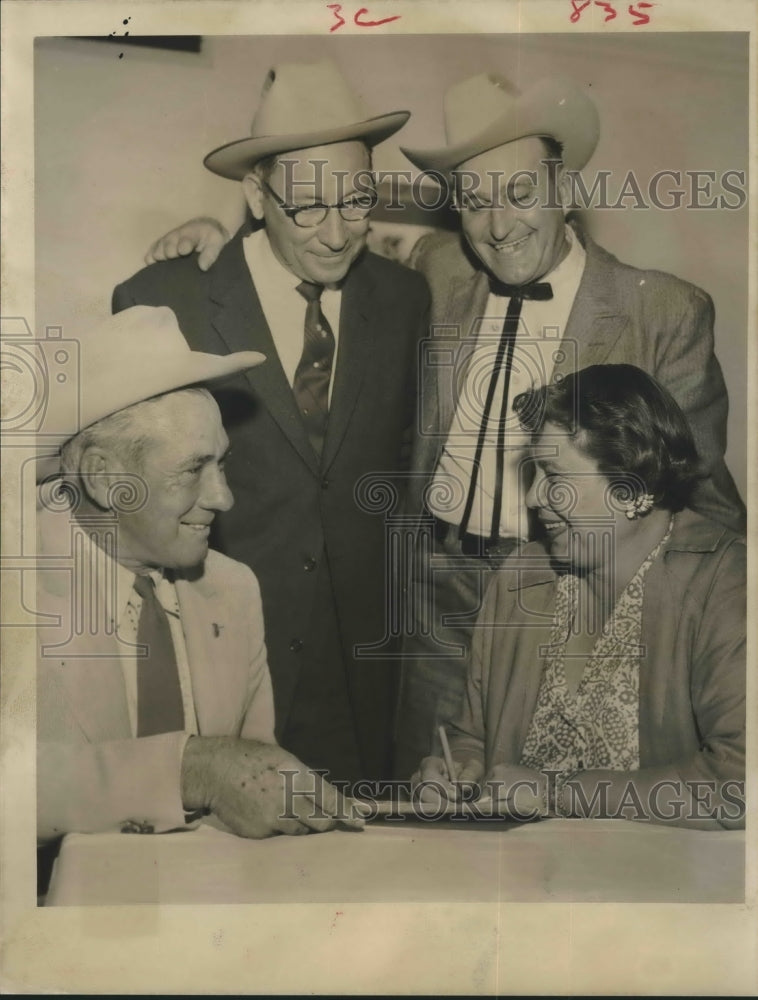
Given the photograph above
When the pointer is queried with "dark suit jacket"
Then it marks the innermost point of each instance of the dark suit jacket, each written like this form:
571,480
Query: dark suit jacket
291,511
620,315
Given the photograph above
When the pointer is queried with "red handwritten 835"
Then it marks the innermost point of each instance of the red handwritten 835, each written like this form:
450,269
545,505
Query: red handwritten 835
360,17
635,10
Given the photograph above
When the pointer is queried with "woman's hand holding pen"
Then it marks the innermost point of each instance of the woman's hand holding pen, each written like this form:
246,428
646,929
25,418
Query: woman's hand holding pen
435,785
440,781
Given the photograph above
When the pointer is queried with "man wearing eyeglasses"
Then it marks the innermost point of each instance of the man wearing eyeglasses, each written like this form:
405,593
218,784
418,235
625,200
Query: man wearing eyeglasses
334,403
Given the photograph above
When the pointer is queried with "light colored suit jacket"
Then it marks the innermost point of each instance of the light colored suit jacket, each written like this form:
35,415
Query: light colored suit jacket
92,775
691,673
621,314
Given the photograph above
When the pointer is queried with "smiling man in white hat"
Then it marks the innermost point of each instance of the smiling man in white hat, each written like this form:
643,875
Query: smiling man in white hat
153,691
335,402
527,298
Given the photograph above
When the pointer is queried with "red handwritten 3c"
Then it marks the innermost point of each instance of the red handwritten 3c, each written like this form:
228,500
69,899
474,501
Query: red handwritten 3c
358,17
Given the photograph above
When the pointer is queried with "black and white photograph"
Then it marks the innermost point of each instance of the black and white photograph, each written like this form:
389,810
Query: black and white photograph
378,387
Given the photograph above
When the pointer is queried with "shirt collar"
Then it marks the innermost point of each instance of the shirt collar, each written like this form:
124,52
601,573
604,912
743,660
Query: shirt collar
125,587
269,272
568,272
694,533
112,570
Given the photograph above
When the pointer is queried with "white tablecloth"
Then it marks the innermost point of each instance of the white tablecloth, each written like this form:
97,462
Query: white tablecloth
390,861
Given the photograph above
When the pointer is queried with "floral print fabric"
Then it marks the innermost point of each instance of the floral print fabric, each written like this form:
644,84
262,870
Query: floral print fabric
599,727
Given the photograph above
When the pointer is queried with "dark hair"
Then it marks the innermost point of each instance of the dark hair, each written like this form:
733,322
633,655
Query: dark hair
264,168
623,419
552,147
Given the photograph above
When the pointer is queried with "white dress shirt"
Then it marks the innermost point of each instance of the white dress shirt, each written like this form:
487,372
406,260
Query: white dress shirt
283,306
541,328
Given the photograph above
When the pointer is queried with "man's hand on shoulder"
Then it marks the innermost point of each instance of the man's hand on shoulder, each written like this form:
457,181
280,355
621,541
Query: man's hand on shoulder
204,236
258,789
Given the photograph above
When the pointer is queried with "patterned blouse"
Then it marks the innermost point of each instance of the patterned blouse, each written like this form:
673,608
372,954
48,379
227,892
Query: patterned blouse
599,727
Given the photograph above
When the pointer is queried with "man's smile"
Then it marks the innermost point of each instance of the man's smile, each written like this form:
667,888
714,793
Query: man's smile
337,255
551,525
511,246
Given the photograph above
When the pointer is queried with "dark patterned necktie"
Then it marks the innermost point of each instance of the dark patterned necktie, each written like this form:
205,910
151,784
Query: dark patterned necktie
539,291
311,383
159,695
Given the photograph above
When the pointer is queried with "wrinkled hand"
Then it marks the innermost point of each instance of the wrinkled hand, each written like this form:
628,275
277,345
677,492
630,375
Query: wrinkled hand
205,236
432,784
515,791
258,789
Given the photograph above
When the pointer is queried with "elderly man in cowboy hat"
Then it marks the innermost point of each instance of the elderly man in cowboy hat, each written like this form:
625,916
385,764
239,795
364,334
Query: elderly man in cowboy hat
334,404
520,297
153,692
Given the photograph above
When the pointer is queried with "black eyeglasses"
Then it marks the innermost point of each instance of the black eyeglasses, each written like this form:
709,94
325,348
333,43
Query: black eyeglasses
355,209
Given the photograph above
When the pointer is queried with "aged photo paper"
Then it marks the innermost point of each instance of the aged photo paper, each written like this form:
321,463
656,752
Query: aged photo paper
108,112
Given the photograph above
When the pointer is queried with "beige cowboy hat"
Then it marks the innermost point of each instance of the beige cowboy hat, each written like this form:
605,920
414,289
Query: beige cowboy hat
486,111
302,105
127,358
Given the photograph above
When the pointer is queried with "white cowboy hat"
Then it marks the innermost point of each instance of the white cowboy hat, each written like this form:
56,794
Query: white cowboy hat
486,111
302,105
127,358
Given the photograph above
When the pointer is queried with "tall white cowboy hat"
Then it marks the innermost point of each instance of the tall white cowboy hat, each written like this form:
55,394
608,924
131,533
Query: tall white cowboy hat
302,105
127,358
486,111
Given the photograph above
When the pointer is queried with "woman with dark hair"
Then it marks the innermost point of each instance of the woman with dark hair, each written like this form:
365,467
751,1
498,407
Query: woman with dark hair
608,661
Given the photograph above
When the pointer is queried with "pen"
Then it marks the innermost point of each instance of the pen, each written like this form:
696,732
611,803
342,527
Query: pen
446,753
